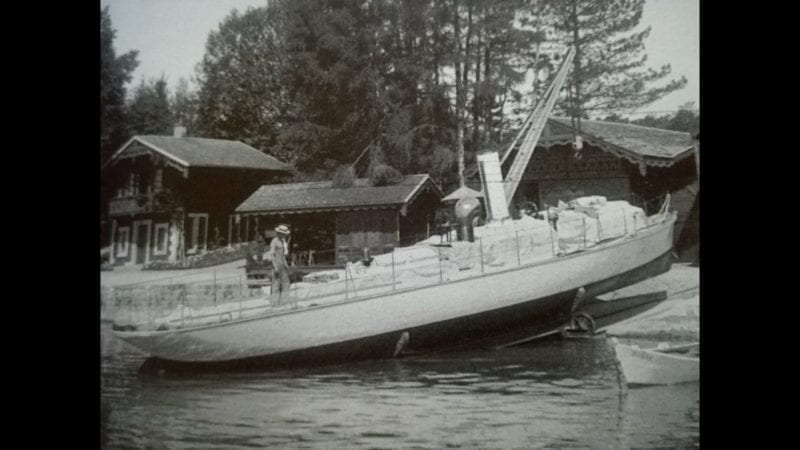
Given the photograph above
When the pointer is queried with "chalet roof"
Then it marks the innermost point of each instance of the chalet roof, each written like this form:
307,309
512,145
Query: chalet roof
203,152
636,143
322,196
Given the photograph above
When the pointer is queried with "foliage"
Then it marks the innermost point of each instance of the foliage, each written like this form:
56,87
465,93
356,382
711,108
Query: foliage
610,52
384,175
418,85
216,257
242,93
149,111
344,177
183,105
115,72
685,119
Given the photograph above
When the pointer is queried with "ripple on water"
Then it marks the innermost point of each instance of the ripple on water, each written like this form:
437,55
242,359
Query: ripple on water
550,394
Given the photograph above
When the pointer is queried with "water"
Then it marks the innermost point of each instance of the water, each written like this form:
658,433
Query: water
549,394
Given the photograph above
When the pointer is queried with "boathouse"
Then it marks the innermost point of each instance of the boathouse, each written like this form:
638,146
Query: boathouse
172,195
619,161
336,223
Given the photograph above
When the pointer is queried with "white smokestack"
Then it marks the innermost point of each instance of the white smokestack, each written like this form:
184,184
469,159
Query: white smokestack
492,181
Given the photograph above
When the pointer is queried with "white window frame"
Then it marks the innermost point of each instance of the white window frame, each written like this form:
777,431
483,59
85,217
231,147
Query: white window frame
194,219
156,250
122,246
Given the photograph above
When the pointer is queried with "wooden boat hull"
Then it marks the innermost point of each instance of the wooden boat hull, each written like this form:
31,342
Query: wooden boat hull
432,316
649,366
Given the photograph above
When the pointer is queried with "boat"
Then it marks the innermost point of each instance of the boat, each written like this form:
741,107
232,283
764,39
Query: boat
664,364
428,295
530,273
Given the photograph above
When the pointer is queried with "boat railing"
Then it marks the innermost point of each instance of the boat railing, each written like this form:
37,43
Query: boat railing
195,303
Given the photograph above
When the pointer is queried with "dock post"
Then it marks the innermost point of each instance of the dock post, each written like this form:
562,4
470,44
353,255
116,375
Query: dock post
516,240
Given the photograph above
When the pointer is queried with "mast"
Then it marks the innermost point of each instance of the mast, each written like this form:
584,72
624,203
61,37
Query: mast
532,128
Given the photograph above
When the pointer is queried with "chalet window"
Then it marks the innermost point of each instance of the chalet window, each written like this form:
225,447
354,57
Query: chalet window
158,178
198,233
162,238
123,235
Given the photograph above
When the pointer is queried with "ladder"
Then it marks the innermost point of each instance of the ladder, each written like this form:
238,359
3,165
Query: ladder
532,129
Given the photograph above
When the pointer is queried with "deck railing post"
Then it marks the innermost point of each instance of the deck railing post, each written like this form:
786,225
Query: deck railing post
215,287
441,278
634,223
241,294
625,221
553,241
393,275
599,238
150,307
480,243
584,232
516,240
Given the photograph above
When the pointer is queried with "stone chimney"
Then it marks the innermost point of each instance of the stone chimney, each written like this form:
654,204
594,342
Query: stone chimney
179,132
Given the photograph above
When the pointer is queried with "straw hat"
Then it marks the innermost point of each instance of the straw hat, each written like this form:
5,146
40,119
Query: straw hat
282,229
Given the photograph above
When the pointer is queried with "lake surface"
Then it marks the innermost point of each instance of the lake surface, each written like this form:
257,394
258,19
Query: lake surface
555,393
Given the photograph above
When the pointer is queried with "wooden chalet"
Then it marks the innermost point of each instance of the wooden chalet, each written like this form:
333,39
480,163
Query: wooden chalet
619,161
336,223
172,195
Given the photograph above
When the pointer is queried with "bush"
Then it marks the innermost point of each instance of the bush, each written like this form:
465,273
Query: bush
384,175
344,177
209,258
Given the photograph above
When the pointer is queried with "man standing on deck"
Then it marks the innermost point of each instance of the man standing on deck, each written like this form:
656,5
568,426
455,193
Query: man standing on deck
279,249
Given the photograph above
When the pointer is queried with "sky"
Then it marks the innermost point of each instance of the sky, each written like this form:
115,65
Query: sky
170,36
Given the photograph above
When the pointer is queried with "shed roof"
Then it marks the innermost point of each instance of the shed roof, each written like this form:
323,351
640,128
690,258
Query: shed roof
190,152
322,196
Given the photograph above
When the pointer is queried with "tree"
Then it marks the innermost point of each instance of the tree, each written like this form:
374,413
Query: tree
609,53
685,119
184,106
242,92
115,72
149,112
334,81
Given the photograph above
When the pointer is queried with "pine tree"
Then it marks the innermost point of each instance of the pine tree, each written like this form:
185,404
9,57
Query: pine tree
607,72
149,112
115,72
242,93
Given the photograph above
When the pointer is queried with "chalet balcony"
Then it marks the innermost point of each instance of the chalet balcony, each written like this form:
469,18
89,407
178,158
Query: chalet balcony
132,205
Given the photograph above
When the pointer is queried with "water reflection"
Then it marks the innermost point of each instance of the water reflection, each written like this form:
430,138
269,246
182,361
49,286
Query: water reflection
555,393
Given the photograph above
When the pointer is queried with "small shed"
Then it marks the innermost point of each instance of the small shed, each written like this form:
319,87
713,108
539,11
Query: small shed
341,221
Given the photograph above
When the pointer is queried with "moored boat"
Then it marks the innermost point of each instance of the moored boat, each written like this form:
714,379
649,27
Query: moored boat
661,365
